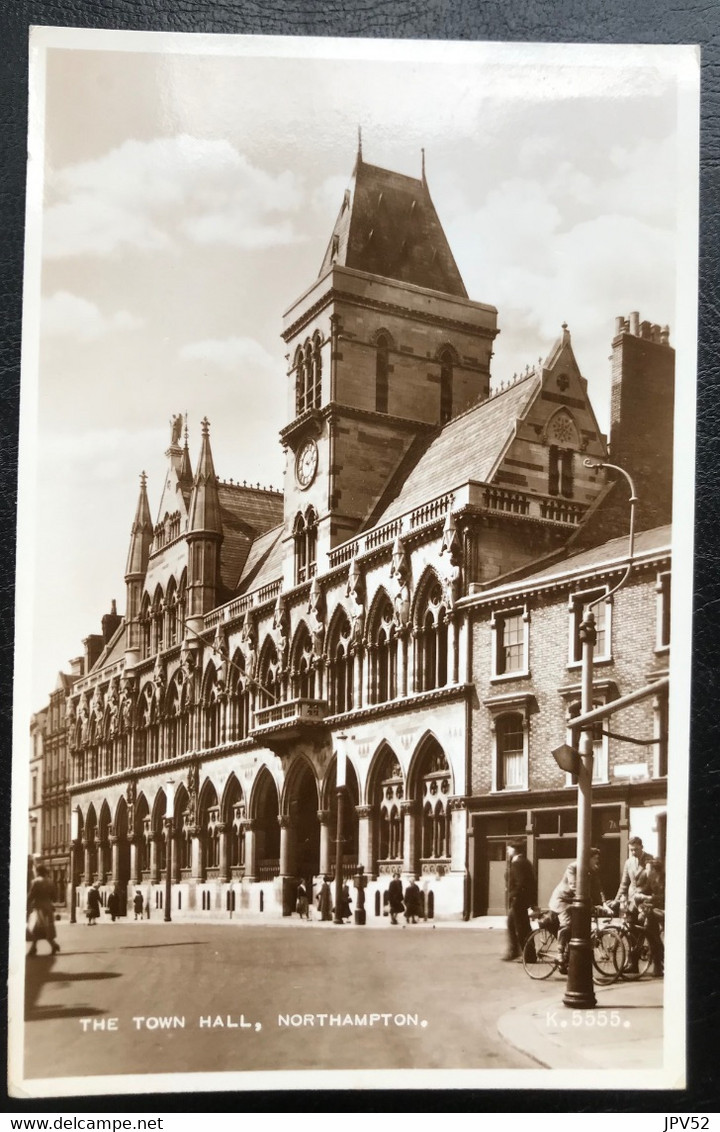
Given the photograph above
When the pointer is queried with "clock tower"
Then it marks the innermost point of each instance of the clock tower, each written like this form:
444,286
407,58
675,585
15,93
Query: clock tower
384,348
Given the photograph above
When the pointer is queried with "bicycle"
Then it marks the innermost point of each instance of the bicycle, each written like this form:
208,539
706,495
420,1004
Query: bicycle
543,956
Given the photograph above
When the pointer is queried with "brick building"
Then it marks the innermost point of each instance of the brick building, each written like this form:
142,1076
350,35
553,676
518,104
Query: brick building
267,633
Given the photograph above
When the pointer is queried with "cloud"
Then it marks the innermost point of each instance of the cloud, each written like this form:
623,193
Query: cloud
66,315
231,354
147,195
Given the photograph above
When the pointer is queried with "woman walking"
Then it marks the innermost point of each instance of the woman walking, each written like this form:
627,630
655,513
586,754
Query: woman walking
41,908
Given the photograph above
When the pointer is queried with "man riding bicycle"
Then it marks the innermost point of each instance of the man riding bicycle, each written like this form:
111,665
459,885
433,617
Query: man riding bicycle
563,897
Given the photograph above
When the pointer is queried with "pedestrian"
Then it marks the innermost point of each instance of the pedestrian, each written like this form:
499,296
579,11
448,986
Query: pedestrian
521,895
413,902
360,882
395,897
138,904
41,911
92,905
636,894
345,901
113,905
563,898
324,900
301,904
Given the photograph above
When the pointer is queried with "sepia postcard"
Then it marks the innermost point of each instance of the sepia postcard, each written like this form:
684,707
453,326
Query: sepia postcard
354,565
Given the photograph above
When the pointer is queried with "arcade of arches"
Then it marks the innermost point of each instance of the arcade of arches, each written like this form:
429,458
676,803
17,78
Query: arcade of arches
403,823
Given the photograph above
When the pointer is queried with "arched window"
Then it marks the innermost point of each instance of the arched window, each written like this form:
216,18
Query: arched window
145,627
446,385
210,829
308,375
239,703
172,722
342,667
564,440
389,793
269,691
234,816
383,652
431,668
171,615
213,709
303,676
156,614
305,538
382,371
267,836
434,785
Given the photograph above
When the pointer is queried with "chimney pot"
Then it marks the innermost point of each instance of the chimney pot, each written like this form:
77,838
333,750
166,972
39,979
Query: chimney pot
635,323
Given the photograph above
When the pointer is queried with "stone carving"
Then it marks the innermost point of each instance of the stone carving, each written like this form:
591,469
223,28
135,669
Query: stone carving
280,628
316,618
219,647
451,555
193,786
248,643
176,429
84,717
97,706
356,603
158,679
130,796
400,571
113,705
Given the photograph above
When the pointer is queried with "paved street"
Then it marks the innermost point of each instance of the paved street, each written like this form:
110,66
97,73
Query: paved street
443,989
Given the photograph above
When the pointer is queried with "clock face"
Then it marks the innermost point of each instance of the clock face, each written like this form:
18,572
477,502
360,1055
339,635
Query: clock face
306,463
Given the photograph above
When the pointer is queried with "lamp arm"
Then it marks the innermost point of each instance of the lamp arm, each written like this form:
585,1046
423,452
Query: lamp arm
631,534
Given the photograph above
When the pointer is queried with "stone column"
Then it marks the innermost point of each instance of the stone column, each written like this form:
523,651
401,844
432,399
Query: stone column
412,682
197,855
87,878
115,843
452,650
358,678
222,828
155,857
365,854
458,834
285,844
401,689
248,827
324,819
463,673
370,675
134,878
408,809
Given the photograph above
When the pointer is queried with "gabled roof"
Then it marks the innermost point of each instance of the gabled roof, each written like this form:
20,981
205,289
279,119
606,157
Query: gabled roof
114,649
246,513
659,540
264,562
468,448
388,226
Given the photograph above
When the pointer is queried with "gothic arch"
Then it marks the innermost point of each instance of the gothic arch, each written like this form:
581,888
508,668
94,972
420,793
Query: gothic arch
428,584
381,598
265,809
561,428
232,793
428,749
297,770
378,765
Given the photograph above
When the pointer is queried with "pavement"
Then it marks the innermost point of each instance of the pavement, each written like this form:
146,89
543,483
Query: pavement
624,1030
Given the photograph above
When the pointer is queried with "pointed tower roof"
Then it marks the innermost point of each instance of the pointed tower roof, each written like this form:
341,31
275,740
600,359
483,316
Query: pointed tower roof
141,534
205,499
388,226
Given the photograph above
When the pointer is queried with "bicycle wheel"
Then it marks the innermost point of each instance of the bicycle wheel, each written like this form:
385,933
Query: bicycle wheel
638,956
541,954
609,956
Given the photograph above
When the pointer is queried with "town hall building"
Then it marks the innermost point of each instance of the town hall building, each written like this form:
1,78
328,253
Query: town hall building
406,609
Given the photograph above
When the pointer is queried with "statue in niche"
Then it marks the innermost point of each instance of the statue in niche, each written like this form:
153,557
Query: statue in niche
158,679
130,796
280,629
193,786
400,572
451,556
248,643
356,604
219,648
316,618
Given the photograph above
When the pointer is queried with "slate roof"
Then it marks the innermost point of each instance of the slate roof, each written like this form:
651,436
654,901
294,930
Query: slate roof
468,448
615,550
246,513
264,562
114,649
388,226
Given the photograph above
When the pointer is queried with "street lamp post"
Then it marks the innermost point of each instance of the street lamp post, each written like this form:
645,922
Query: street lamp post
169,814
340,789
579,992
74,831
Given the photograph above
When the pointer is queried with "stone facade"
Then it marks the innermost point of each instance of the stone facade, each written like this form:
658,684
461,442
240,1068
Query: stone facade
271,639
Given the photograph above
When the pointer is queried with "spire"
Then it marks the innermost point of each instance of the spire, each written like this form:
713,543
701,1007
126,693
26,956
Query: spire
141,534
205,499
422,176
185,470
359,152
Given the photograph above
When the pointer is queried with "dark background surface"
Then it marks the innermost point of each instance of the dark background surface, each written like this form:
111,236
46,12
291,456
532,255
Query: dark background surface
614,21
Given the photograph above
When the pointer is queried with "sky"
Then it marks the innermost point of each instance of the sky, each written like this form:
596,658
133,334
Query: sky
189,191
